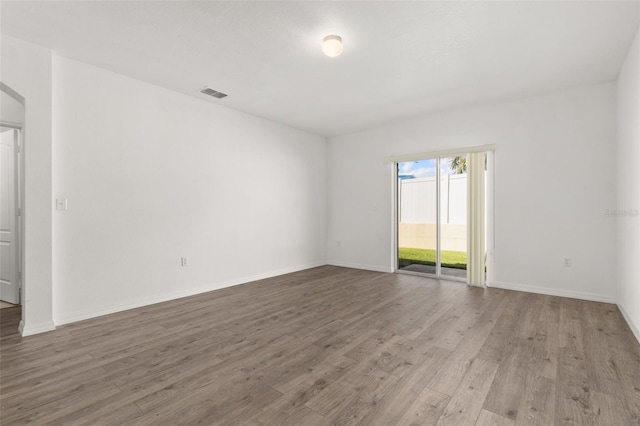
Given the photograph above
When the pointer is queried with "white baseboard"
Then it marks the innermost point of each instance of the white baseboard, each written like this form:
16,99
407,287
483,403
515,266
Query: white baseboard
593,297
31,329
634,328
70,317
360,266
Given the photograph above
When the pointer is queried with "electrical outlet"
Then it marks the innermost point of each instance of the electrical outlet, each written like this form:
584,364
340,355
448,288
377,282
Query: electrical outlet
183,261
567,262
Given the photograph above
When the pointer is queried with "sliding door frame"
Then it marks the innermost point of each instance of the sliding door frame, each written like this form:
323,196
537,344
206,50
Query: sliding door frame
490,209
438,220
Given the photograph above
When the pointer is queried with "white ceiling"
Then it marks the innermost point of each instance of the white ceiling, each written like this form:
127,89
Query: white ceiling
401,59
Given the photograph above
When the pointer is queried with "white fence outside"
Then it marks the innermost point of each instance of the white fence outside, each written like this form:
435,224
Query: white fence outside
417,199
417,212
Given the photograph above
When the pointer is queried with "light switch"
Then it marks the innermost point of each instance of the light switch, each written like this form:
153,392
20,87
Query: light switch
61,203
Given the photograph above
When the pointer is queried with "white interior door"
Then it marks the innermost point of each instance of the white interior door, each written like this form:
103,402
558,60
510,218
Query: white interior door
9,290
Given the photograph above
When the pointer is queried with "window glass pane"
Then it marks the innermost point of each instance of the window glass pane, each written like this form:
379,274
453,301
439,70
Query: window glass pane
417,210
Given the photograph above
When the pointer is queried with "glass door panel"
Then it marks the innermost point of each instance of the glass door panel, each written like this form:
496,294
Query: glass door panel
418,216
453,217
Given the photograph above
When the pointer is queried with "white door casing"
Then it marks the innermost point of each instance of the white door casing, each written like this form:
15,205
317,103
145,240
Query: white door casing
9,285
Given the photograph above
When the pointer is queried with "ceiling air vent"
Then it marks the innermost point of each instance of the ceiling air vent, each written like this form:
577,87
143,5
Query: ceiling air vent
209,91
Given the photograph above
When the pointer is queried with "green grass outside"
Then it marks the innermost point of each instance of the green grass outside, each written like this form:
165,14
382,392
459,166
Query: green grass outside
449,259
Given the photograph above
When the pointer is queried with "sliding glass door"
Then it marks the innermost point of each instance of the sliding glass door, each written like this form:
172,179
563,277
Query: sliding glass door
432,217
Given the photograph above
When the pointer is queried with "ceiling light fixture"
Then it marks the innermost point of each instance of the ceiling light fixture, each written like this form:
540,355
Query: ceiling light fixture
332,46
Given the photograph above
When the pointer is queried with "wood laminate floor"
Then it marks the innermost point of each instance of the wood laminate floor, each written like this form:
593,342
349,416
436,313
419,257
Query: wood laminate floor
4,305
330,346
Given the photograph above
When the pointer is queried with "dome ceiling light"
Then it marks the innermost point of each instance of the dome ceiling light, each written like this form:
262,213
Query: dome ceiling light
332,46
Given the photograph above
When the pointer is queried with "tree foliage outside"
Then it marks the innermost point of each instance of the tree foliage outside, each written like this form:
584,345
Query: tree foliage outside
458,165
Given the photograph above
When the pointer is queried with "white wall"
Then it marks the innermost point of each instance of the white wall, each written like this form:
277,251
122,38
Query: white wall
152,175
628,188
26,68
555,177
